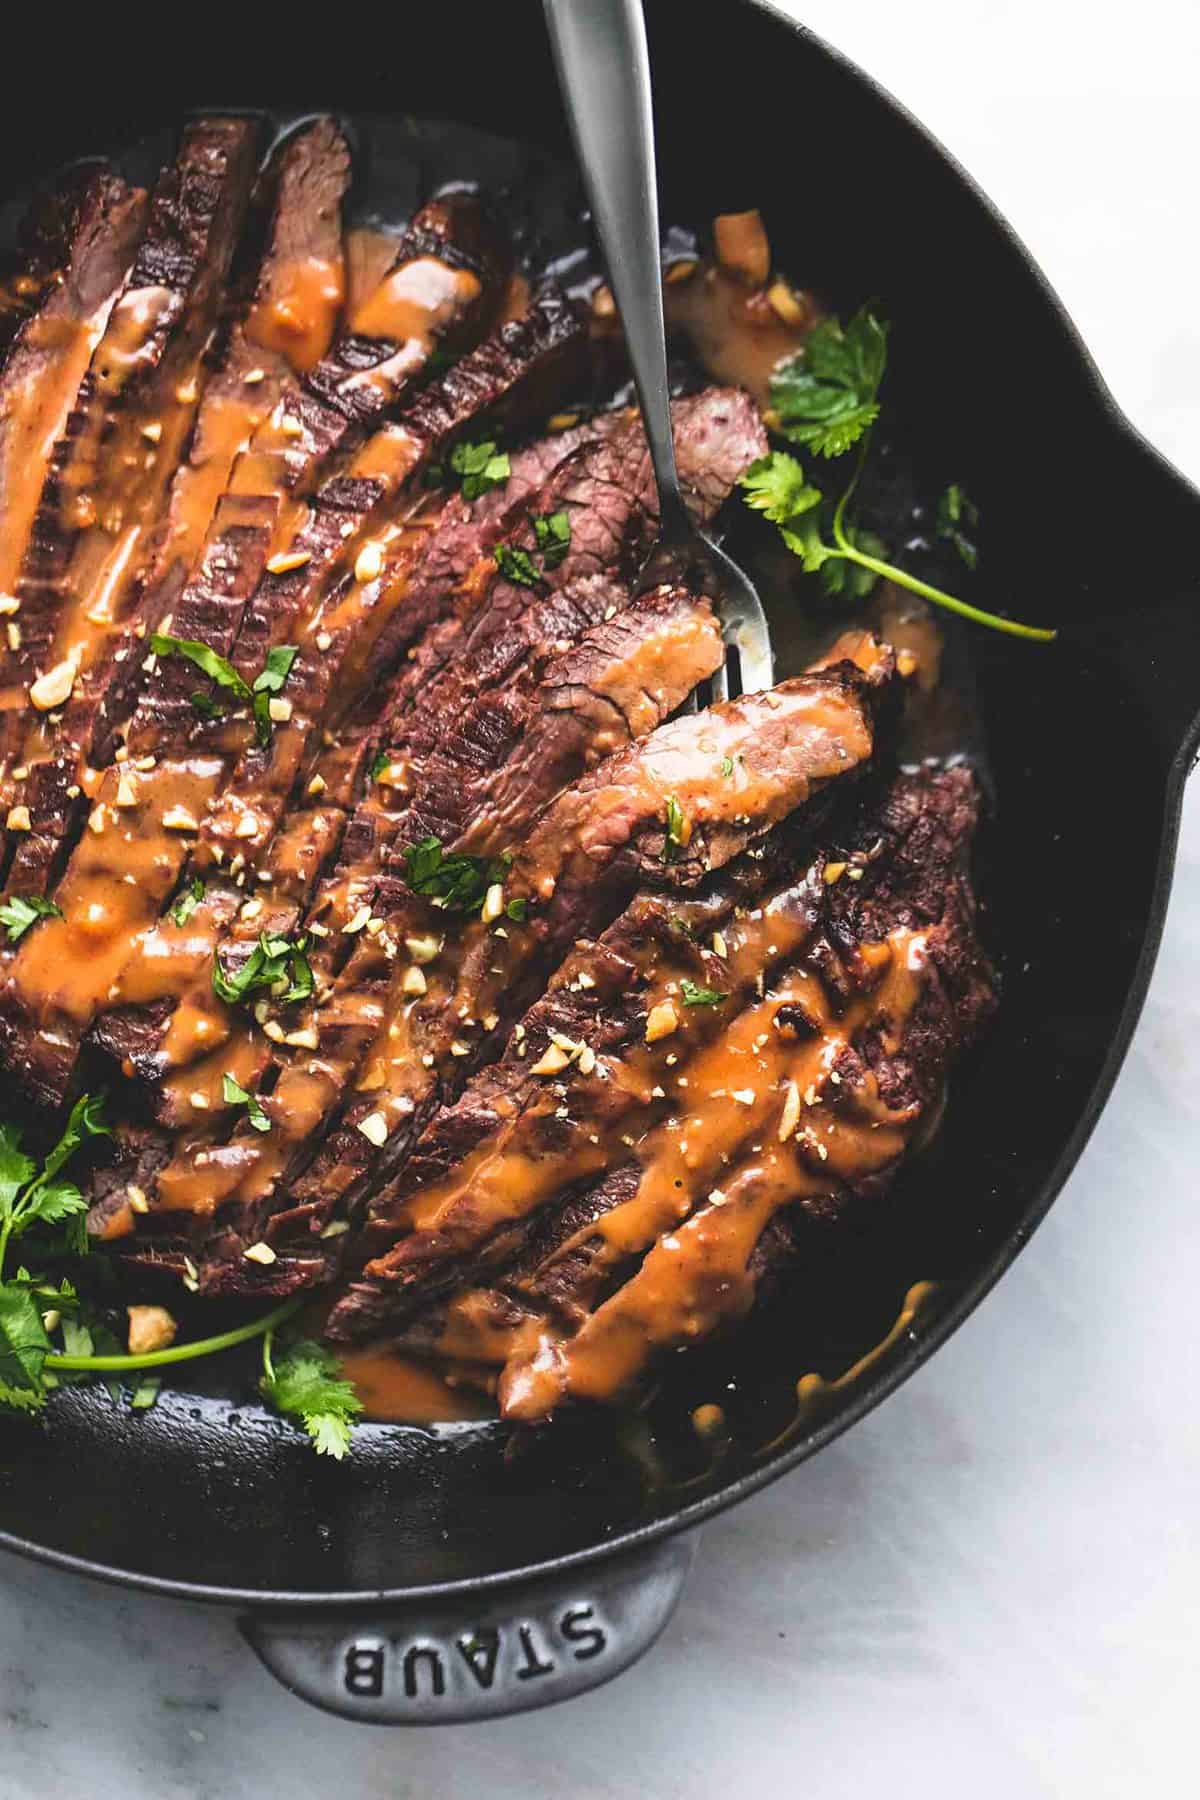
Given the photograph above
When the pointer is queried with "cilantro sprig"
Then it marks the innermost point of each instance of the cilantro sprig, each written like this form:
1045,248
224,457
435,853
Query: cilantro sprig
552,540
957,516
825,400
516,565
552,533
676,835
188,901
695,994
305,1382
40,1201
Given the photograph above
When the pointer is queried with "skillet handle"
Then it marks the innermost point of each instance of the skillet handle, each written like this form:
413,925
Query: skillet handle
502,1651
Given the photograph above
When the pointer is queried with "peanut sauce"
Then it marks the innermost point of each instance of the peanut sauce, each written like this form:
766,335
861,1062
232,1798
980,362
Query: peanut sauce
298,313
39,389
735,331
405,1391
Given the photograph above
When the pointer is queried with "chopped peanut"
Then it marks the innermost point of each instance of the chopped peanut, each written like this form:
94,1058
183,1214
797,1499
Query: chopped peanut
742,248
661,1021
150,1328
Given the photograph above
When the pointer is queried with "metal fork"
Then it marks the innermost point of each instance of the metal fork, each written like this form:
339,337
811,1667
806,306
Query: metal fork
604,71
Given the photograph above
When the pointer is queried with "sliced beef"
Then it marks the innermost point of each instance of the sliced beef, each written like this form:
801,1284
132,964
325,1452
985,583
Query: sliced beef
609,519
292,290
336,606
443,292
244,1174
410,1052
308,1086
478,773
140,819
45,237
53,347
103,500
633,1198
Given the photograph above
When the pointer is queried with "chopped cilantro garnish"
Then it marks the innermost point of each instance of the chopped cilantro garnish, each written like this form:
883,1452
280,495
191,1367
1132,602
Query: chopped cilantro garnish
234,1094
20,911
516,565
482,467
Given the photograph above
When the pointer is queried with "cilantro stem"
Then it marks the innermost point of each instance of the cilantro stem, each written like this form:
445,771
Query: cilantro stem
1040,634
155,1359
849,552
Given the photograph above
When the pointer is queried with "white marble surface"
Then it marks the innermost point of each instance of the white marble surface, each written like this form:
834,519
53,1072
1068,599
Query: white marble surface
993,1585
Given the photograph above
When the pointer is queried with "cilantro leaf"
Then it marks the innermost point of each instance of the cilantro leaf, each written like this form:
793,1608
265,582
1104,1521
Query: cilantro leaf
57,1201
270,680
516,565
677,832
208,661
21,911
481,466
827,396
234,1094
31,1400
553,534
957,515
86,1120
457,882
849,565
24,1341
38,1198
188,901
777,487
306,1382
383,761
696,995
517,909
15,1168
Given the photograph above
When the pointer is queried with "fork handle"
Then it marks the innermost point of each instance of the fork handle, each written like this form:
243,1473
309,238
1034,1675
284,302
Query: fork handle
604,71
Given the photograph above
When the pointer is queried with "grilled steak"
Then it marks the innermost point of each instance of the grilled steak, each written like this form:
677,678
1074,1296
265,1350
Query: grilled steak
103,500
49,359
287,319
126,862
443,292
465,627
628,1194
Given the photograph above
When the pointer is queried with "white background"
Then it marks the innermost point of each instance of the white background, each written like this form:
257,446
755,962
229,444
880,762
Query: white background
992,1586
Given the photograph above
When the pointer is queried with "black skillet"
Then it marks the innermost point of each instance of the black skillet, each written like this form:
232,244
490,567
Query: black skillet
432,1575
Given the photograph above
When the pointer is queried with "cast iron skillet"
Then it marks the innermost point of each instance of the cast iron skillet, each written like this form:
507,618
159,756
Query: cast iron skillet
432,1576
